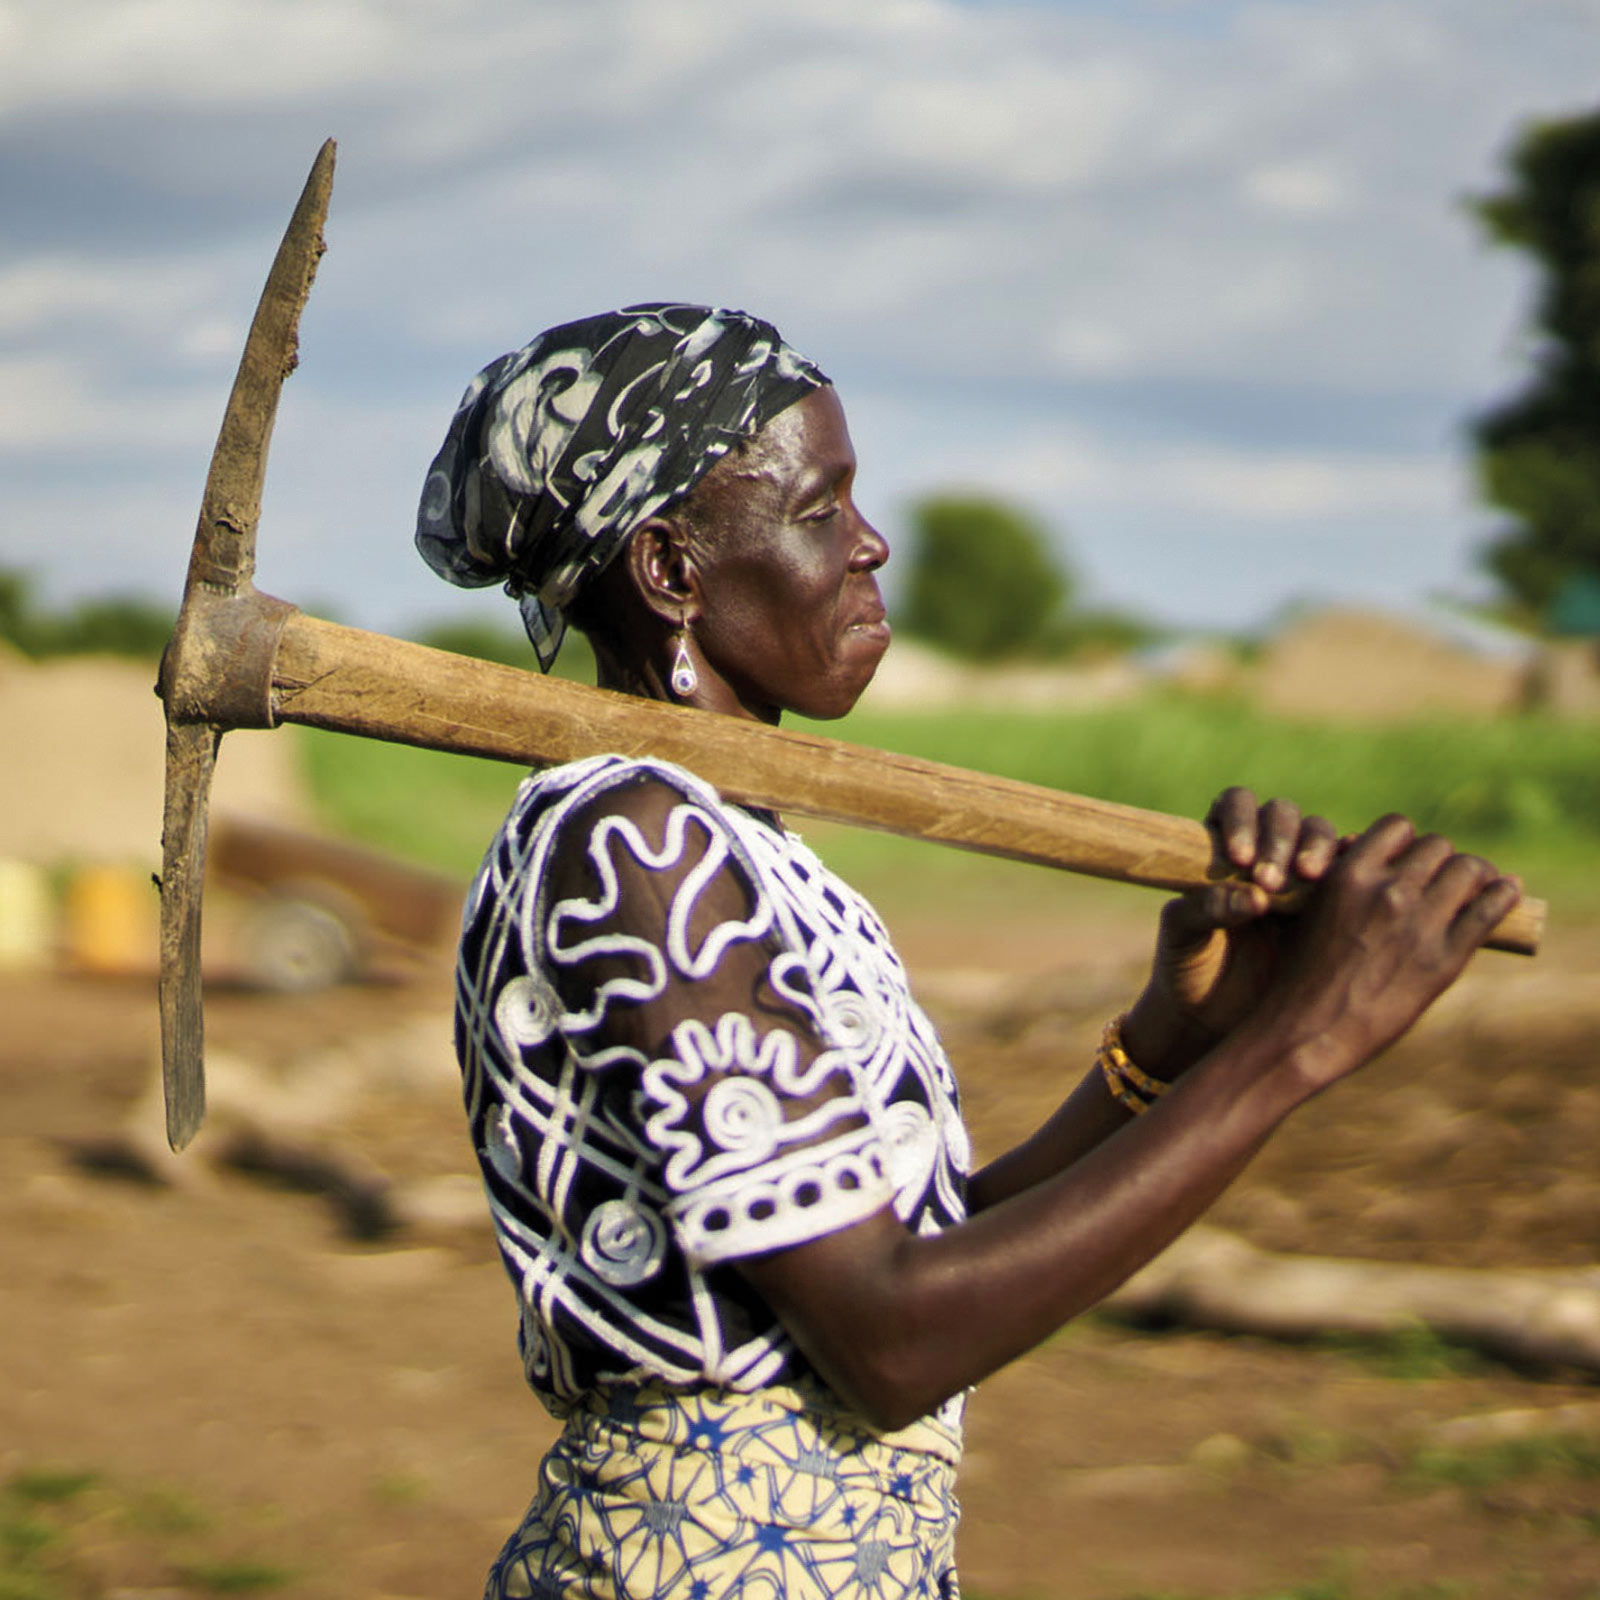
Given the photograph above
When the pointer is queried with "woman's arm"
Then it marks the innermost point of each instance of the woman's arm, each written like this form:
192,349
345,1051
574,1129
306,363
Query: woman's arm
896,1322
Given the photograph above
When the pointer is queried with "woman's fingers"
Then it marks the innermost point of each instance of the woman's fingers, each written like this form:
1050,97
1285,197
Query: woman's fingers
1190,920
1471,895
1318,849
1391,924
1376,847
1392,875
1391,928
1393,920
1426,895
1233,821
1277,839
1272,841
1482,914
1422,860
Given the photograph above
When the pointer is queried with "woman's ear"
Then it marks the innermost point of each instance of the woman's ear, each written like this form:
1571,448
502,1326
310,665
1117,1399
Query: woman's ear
661,564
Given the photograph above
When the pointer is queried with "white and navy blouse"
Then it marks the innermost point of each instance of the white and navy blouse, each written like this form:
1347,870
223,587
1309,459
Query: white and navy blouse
684,1042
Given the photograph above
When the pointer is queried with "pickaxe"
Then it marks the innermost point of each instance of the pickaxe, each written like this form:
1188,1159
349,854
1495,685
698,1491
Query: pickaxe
242,659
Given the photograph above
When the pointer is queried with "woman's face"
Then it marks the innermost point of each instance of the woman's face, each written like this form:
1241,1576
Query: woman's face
790,616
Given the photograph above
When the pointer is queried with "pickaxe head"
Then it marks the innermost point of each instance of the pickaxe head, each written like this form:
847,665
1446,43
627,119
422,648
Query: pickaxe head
216,673
239,659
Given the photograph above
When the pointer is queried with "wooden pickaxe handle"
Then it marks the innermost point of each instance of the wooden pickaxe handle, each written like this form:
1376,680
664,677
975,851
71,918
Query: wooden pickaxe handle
329,676
240,659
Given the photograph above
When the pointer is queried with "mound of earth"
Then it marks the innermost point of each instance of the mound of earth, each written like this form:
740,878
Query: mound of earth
252,1396
83,777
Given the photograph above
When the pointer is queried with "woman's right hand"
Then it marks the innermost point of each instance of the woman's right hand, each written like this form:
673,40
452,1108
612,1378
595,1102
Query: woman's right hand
1219,948
1389,928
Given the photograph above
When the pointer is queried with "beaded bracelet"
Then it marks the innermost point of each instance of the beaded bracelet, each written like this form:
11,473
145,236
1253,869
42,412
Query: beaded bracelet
1135,1090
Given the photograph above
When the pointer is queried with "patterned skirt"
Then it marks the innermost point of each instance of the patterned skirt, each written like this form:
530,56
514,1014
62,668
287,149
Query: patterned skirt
654,1494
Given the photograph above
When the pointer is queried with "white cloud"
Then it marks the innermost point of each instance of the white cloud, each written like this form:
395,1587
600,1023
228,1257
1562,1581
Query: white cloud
1303,188
154,301
1092,348
883,158
39,397
56,404
1209,257
224,53
1284,488
1078,469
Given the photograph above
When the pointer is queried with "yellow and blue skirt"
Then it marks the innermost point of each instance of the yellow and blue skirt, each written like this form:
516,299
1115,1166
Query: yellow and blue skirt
656,1494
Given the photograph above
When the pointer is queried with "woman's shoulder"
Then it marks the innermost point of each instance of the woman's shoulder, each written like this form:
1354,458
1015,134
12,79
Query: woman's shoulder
652,808
632,829
641,788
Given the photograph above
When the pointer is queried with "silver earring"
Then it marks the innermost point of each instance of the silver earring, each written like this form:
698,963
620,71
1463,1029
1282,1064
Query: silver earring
685,680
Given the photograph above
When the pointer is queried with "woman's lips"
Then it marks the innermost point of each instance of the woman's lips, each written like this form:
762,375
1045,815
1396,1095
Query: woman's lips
874,628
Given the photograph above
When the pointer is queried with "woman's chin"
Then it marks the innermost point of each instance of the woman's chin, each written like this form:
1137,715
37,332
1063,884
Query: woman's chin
839,696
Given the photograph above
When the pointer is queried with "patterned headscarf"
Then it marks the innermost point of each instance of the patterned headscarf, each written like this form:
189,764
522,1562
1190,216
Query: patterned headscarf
560,450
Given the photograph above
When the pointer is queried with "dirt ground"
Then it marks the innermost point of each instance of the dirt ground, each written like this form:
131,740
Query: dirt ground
268,1404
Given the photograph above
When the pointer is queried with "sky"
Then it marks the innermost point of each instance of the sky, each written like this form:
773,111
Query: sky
1194,281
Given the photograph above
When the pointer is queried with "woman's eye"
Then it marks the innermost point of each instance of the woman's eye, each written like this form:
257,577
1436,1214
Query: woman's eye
824,513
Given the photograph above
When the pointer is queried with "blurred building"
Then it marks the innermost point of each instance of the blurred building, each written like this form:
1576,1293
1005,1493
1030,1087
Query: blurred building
1369,665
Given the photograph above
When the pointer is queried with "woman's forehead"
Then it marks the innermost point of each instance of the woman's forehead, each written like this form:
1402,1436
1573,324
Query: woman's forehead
806,442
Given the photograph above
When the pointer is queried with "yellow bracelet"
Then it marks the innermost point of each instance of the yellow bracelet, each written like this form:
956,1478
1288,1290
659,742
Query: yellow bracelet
1129,1086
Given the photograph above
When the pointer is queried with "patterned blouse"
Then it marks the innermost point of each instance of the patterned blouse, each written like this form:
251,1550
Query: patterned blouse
684,1042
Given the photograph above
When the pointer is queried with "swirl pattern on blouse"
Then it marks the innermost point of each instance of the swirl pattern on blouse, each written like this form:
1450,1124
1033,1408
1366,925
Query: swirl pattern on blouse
683,1041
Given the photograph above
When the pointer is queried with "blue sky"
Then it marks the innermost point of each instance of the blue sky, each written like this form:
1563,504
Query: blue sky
1192,280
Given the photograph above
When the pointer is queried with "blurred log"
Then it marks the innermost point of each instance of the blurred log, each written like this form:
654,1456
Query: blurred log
297,1123
1484,1428
1213,1279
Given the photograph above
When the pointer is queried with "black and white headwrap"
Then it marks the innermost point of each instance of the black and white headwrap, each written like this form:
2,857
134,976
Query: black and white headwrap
560,450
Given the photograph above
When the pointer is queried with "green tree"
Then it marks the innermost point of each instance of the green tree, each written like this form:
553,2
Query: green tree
122,625
1539,454
116,625
984,582
16,608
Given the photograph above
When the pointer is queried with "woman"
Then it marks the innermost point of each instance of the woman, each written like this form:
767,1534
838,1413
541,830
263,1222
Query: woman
721,1143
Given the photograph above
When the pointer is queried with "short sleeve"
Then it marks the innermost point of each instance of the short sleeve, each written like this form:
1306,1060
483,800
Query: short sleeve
660,938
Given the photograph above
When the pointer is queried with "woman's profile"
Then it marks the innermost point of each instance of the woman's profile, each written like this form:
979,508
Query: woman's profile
756,1268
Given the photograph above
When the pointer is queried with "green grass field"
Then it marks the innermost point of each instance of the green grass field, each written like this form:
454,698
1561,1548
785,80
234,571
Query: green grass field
1525,791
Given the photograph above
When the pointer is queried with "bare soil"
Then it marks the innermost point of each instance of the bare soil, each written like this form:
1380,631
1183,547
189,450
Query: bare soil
271,1404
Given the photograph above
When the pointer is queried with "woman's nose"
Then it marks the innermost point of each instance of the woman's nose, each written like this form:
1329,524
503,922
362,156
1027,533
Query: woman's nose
872,549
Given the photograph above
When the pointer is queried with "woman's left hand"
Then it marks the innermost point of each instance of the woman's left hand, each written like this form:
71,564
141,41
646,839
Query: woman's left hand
1219,947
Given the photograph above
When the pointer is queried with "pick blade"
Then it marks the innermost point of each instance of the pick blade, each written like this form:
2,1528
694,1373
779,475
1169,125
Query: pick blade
191,760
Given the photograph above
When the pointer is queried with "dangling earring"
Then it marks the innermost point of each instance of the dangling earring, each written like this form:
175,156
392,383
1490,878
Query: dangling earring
685,680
